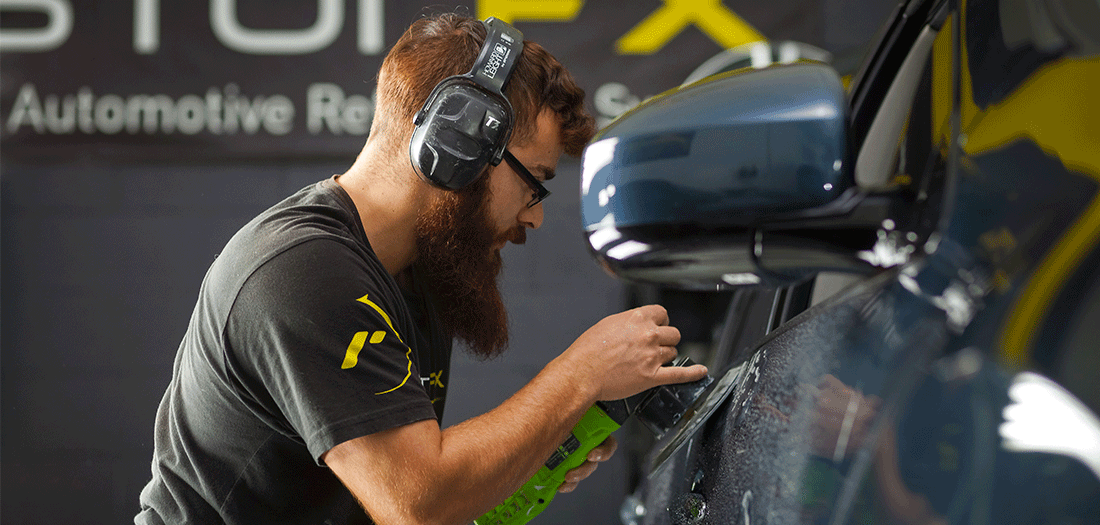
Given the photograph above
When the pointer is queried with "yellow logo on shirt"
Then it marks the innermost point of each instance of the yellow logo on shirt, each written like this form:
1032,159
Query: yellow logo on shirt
358,341
434,378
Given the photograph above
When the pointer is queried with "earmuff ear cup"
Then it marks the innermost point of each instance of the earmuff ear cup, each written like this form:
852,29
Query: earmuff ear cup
459,133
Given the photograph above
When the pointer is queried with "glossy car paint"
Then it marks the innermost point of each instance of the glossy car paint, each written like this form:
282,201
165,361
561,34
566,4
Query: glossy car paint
955,382
717,156
760,143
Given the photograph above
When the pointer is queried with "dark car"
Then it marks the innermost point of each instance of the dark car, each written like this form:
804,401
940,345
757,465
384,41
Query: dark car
897,282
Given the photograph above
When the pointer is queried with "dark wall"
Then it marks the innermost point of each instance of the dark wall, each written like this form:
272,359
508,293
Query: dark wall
105,238
101,267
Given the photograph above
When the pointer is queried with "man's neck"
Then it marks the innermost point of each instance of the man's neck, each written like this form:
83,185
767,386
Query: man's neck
389,199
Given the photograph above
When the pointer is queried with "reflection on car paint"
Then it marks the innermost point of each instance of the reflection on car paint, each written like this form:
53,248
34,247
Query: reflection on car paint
956,384
1045,417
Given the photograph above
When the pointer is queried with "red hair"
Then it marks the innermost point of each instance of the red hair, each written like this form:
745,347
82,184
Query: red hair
447,44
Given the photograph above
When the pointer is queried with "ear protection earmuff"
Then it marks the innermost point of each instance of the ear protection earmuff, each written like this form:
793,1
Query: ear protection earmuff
467,121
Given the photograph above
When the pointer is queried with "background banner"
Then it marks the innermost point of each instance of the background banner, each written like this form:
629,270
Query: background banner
155,80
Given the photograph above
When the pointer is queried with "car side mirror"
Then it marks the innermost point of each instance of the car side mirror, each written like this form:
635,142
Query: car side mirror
740,178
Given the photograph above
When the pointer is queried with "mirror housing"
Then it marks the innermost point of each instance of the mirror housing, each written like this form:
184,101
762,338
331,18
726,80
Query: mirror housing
740,178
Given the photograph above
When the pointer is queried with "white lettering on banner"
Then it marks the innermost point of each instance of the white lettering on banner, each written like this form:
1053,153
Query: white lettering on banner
372,24
230,32
223,19
223,111
59,25
146,26
327,106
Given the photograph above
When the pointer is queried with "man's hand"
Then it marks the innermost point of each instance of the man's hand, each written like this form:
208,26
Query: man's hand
623,354
598,455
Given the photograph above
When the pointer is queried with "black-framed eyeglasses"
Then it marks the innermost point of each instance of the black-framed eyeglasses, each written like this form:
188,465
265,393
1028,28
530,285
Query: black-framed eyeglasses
540,191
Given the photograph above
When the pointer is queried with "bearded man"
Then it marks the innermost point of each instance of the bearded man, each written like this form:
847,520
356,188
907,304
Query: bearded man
310,383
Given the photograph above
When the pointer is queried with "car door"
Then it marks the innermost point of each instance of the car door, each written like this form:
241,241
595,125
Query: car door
888,402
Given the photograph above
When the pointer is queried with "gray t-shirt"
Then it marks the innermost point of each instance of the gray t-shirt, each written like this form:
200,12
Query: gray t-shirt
300,341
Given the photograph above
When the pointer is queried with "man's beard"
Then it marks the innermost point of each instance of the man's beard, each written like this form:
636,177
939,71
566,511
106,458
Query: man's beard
457,257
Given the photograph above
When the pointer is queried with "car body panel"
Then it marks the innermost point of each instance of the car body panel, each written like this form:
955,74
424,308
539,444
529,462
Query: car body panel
955,383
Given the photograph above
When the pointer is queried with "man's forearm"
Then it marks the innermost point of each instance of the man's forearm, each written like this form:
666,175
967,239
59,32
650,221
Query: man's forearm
496,453
419,474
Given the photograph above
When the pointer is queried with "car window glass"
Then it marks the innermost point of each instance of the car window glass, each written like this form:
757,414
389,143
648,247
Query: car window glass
829,283
877,161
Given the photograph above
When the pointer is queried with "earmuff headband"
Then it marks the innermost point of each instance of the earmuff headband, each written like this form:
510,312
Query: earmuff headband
467,121
503,45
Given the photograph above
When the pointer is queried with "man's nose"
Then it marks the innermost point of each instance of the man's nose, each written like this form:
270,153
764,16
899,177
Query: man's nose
531,217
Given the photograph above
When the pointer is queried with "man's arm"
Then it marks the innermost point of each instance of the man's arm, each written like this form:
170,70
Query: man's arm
419,473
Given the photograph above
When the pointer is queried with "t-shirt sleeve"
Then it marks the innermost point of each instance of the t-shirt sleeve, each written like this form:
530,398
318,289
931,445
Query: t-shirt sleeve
314,345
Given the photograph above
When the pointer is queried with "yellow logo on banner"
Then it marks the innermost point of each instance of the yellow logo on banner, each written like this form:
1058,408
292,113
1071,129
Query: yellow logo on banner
548,10
662,25
651,34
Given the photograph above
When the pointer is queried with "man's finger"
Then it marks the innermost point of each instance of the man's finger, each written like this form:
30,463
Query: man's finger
583,471
604,450
681,374
668,335
668,353
655,312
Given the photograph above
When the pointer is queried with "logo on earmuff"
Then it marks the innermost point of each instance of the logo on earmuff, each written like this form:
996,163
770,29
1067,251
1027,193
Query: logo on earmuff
500,54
